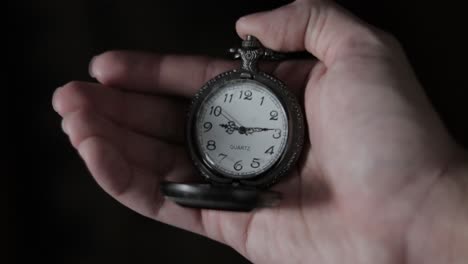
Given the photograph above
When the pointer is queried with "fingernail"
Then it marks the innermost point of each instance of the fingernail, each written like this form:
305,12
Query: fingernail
64,126
91,69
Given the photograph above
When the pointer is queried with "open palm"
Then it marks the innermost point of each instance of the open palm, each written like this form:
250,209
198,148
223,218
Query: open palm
375,148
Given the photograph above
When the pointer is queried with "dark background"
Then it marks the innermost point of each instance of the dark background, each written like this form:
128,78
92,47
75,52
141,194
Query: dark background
55,211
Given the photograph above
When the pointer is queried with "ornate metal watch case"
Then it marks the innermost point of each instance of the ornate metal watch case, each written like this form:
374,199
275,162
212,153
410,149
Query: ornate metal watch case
226,191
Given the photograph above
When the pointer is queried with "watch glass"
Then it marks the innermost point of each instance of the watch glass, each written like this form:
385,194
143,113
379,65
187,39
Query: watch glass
241,129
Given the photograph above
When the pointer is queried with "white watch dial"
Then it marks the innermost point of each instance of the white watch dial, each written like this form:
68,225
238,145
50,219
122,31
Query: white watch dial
242,129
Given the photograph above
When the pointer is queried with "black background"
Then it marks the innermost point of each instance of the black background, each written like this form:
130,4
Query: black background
56,212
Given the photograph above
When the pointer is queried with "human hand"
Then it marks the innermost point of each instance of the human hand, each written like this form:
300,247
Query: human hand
378,164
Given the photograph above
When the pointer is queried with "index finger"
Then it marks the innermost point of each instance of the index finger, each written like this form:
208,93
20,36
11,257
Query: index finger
163,74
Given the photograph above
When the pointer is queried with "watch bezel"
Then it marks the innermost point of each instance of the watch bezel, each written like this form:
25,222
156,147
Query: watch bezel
294,142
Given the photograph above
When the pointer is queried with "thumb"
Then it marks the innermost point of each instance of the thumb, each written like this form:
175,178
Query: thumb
319,26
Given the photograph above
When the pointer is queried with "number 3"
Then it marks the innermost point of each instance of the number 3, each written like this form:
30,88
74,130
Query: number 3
277,133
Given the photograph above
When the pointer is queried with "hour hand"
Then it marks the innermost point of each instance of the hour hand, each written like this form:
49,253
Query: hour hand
230,127
251,130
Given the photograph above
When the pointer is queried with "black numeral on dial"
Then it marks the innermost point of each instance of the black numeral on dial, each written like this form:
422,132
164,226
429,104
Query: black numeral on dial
270,150
274,115
228,97
248,95
238,165
277,134
211,145
223,156
255,163
245,95
207,126
215,110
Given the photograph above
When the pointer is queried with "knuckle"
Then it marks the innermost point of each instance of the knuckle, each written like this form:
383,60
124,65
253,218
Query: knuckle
290,36
81,117
82,124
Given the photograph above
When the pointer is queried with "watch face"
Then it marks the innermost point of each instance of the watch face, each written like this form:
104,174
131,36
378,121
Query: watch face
241,129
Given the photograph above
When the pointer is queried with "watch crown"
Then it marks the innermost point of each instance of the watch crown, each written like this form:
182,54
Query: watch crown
251,42
251,51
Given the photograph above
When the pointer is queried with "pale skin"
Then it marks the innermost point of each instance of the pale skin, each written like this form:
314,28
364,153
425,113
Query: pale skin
380,180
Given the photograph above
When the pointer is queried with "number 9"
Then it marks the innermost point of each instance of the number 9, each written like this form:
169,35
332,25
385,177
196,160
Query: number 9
207,126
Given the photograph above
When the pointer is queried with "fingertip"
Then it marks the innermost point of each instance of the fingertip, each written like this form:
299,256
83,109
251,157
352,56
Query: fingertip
245,25
70,97
97,66
56,101
109,66
91,70
64,126
280,29
240,26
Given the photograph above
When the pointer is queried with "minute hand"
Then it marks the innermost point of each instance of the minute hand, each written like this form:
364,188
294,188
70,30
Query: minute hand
231,118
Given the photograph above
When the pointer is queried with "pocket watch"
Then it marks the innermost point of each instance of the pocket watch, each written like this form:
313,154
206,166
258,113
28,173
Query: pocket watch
244,132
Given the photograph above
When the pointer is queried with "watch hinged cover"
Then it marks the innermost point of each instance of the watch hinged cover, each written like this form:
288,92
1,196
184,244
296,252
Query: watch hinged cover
220,197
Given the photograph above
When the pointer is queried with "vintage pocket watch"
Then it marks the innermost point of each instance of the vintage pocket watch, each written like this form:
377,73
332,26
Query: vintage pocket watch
244,132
